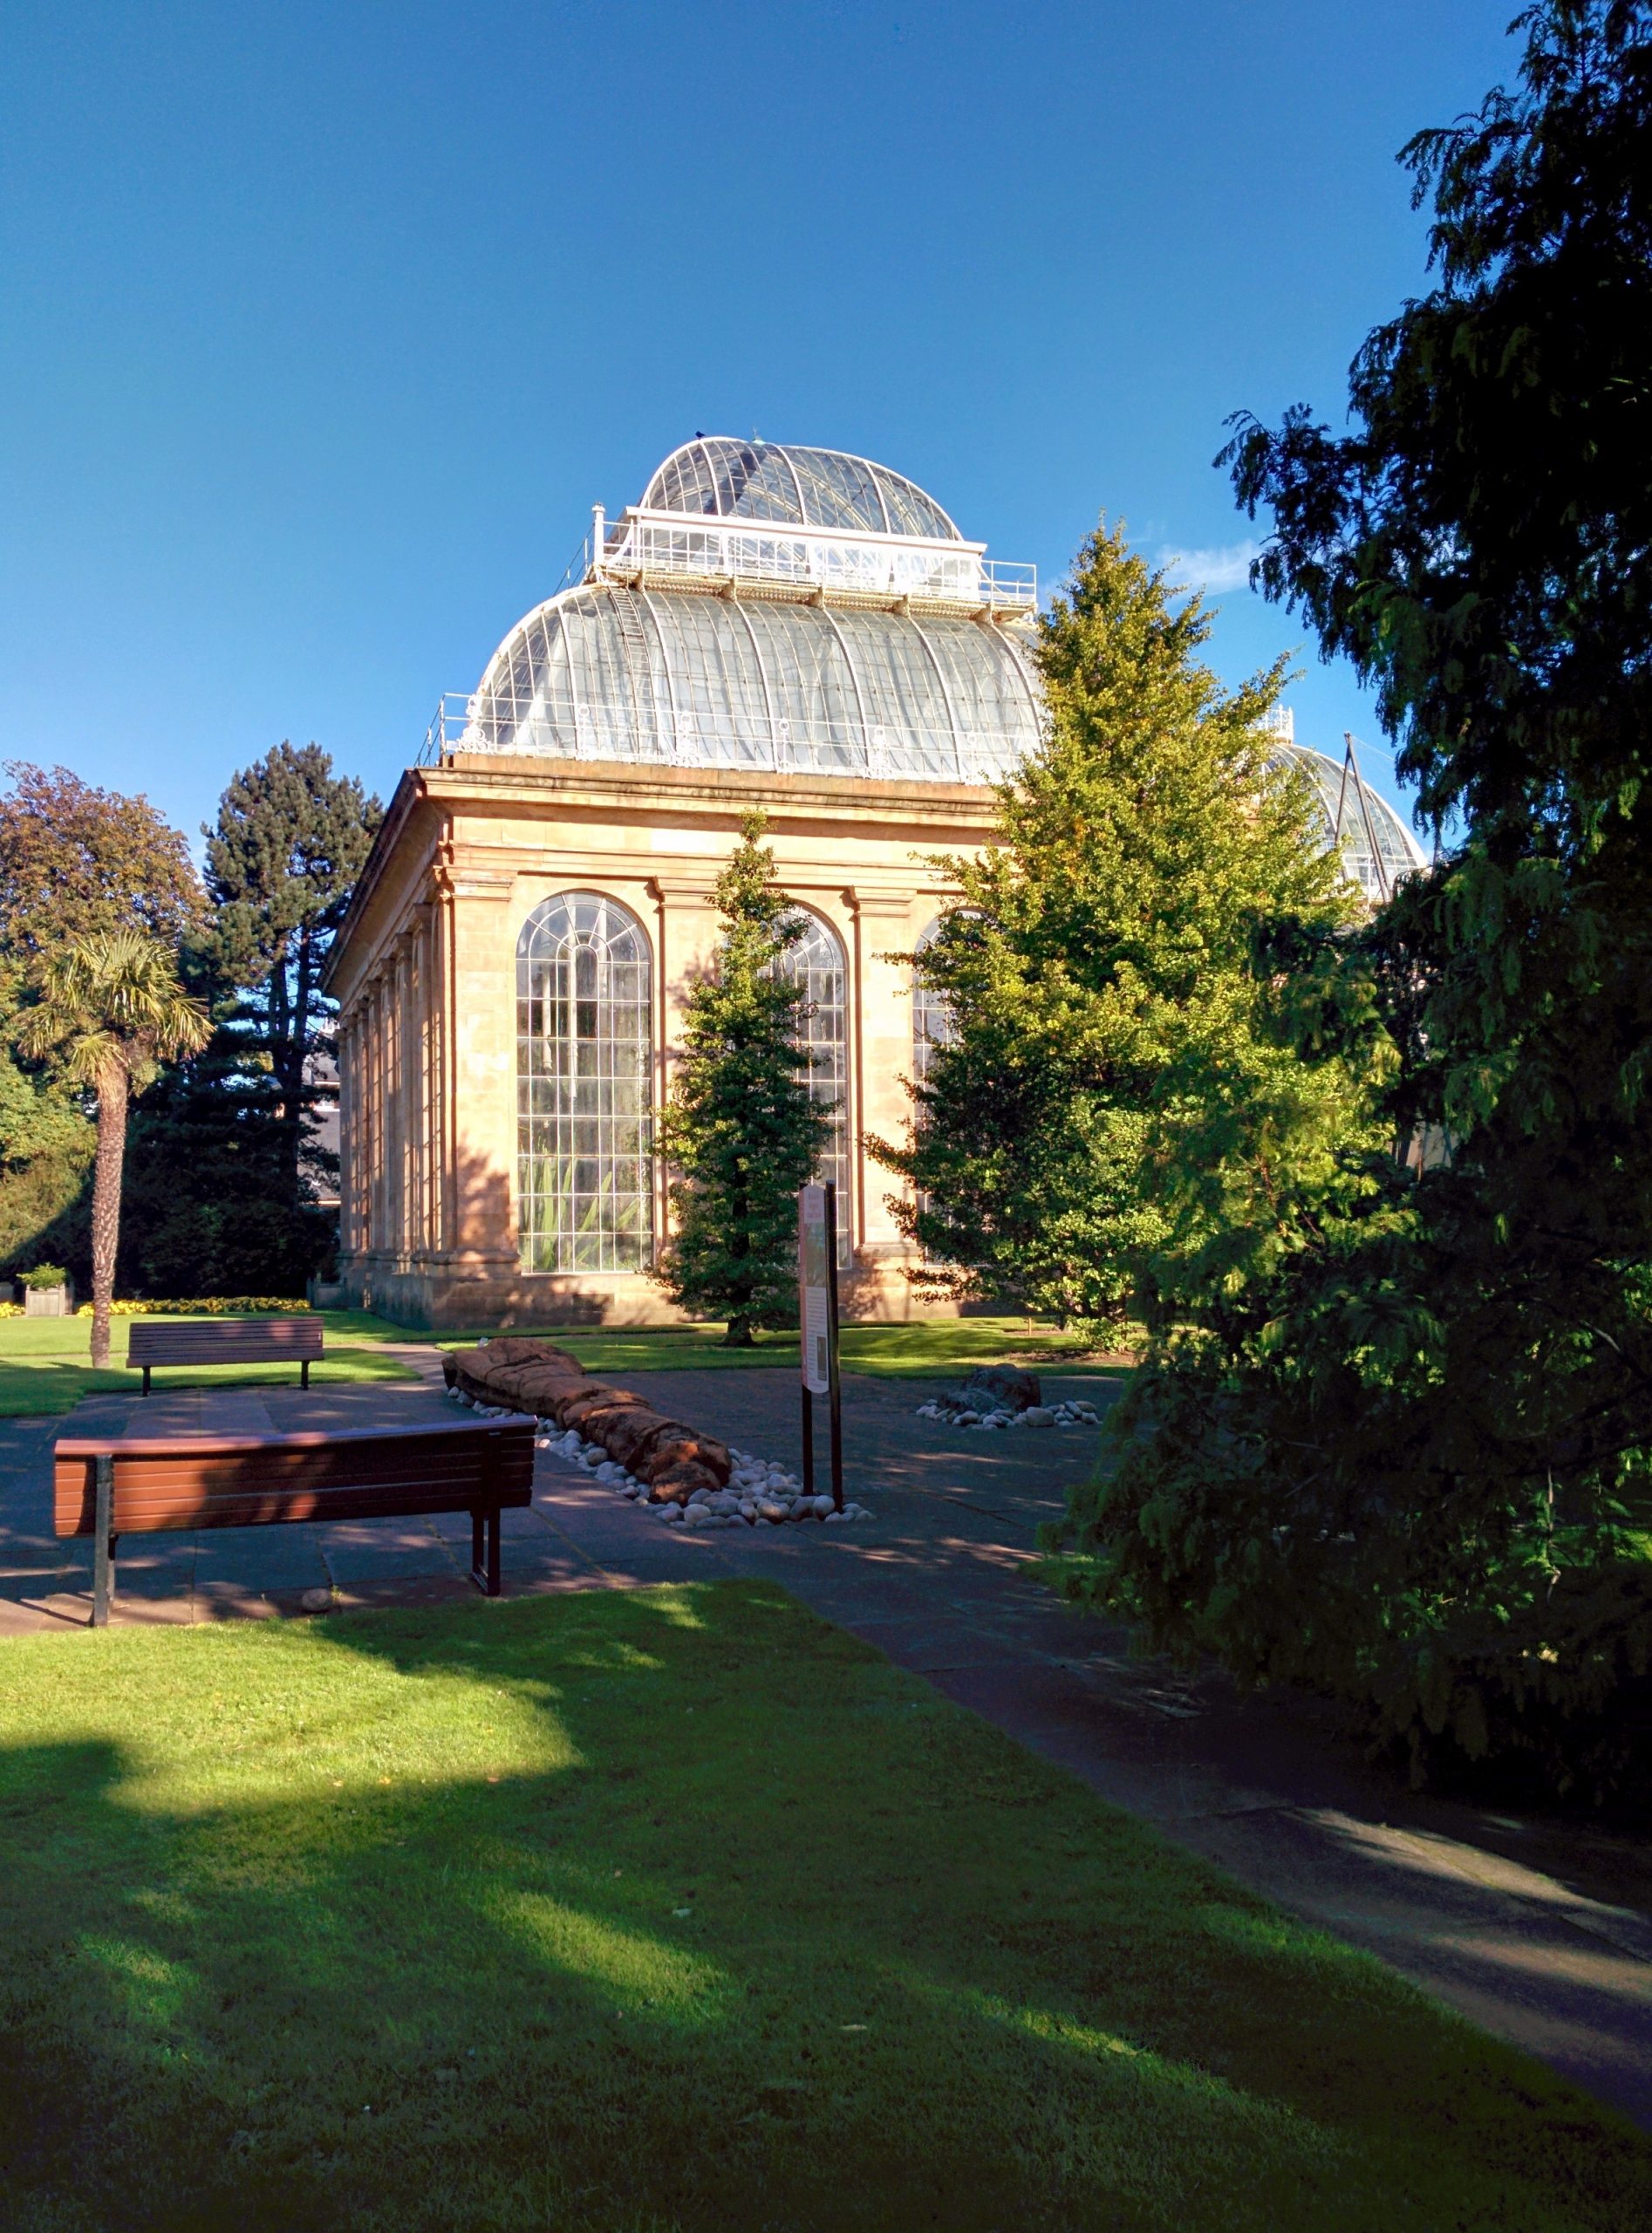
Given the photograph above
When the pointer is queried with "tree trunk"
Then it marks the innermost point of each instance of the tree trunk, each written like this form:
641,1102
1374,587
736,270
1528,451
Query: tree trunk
739,1335
114,1095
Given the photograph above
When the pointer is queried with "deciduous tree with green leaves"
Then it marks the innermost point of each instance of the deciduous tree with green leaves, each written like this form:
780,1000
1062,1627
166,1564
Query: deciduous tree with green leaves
1097,975
740,1132
110,1010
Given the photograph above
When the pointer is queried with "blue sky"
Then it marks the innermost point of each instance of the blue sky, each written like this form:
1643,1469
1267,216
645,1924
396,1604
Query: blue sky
324,326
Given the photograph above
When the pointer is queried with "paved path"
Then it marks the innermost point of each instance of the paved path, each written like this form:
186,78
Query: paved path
1542,1932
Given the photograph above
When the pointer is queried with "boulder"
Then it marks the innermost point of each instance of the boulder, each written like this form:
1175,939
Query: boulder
1002,1388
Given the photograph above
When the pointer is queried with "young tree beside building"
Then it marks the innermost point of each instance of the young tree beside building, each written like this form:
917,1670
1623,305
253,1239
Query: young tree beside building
740,1132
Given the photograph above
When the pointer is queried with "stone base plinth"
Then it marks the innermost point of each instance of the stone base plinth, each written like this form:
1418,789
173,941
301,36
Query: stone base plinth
440,1297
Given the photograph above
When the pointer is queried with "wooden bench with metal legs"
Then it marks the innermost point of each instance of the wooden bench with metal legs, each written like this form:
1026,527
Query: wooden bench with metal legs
224,1341
111,1485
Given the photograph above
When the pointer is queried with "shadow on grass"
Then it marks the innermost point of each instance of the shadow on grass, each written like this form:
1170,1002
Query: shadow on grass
48,1389
676,1908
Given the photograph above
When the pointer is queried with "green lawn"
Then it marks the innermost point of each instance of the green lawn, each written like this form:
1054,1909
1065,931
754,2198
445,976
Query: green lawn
45,1362
933,1348
677,1908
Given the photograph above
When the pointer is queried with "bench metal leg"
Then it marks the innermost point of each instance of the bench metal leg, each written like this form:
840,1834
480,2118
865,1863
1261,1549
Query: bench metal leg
484,1550
145,1380
103,1551
303,1372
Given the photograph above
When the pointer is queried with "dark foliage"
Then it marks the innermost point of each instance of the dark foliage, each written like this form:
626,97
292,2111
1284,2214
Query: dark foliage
1409,1459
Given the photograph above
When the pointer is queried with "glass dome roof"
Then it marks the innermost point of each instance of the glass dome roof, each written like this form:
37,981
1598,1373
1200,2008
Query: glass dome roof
607,672
717,477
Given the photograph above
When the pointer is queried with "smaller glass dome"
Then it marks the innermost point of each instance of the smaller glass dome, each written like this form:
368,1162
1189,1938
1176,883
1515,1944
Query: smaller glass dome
717,477
1376,847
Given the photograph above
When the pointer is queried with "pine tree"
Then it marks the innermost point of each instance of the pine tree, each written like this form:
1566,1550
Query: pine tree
290,839
1097,975
740,1129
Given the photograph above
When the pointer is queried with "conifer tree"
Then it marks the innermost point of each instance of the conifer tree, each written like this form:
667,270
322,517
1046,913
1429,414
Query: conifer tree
740,1129
1097,975
290,839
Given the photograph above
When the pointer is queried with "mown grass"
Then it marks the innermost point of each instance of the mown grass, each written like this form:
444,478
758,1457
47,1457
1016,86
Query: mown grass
677,1908
45,1364
927,1349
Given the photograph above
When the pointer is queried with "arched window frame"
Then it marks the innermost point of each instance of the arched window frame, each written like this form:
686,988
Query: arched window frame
818,957
584,1086
931,1018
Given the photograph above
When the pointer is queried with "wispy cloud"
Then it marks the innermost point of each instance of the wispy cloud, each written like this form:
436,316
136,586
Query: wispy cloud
1212,571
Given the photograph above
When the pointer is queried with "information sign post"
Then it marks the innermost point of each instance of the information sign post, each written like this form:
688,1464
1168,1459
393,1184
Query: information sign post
817,1313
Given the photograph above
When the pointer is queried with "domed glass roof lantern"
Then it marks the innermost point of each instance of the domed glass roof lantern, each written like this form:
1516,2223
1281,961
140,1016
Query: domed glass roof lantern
791,523
716,477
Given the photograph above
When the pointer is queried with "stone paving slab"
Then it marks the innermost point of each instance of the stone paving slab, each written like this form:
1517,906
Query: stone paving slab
1541,1931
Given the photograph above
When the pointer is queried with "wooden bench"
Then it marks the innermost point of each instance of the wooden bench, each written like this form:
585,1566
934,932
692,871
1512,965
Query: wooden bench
225,1341
108,1486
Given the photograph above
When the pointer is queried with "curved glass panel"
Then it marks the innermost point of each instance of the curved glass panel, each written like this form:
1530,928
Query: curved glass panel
604,673
910,512
816,963
1376,847
585,1070
716,475
838,491
684,482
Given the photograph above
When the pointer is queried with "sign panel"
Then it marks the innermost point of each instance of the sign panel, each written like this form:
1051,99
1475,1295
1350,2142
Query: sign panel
813,1275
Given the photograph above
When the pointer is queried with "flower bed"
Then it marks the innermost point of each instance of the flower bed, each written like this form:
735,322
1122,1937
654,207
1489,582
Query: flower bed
202,1306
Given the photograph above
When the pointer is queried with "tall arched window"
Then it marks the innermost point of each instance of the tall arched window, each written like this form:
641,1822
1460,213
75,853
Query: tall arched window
584,1065
816,963
932,1017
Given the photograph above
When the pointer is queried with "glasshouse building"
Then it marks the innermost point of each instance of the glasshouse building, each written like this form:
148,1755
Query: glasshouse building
790,628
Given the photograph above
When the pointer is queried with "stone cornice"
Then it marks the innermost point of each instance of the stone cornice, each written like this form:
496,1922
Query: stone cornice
551,787
431,801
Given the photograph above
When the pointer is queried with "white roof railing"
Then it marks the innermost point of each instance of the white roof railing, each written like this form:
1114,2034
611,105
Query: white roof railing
660,549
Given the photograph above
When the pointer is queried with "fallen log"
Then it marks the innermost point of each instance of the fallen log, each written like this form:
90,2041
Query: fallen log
521,1375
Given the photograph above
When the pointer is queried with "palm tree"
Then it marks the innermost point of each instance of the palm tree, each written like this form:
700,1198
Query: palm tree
112,1011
